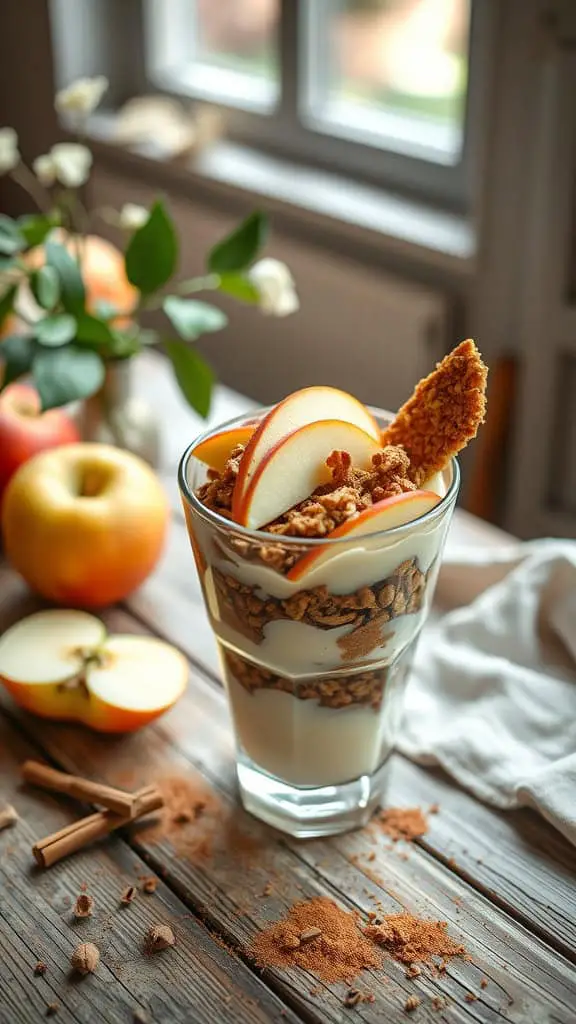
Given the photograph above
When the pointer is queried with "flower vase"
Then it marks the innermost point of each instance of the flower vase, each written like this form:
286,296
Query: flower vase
114,415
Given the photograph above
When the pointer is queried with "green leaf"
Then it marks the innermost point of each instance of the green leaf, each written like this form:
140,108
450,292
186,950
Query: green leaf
11,238
152,252
55,331
7,262
239,287
16,353
92,331
35,227
65,374
195,377
7,303
192,318
238,250
71,283
45,285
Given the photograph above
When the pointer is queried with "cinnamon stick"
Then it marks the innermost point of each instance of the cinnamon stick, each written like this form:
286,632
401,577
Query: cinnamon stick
8,816
43,775
77,835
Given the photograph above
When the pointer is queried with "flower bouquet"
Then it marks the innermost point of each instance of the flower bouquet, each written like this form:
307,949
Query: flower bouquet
64,319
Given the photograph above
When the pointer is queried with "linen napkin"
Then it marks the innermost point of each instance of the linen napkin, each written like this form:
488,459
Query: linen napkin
492,695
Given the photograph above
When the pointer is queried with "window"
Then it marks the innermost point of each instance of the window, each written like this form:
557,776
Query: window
381,89
389,92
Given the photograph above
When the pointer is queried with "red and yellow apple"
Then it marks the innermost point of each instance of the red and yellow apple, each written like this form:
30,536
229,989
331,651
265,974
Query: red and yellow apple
296,466
25,430
62,664
384,515
85,523
299,409
215,451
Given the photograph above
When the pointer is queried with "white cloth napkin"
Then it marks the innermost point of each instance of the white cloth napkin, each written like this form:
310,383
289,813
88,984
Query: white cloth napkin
492,695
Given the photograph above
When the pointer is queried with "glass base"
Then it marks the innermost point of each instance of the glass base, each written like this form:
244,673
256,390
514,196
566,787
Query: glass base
306,813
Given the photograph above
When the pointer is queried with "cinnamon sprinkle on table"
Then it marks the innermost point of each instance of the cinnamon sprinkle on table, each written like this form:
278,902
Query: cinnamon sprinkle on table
403,823
340,953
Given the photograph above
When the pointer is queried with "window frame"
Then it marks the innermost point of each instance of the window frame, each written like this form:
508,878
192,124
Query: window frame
283,129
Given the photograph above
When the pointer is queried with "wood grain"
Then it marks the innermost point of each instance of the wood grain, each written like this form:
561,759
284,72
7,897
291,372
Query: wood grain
225,888
196,980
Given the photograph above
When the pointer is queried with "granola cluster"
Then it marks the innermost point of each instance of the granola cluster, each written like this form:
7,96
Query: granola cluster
367,610
350,491
330,692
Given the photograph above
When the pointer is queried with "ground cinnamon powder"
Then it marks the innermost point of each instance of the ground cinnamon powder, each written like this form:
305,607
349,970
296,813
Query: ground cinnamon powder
197,823
410,939
403,822
329,941
339,953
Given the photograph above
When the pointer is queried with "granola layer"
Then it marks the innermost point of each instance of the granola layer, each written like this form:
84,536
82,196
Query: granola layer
367,610
341,691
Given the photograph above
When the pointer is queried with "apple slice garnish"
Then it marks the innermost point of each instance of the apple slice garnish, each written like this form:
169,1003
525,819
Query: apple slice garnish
384,515
296,466
62,664
297,410
215,450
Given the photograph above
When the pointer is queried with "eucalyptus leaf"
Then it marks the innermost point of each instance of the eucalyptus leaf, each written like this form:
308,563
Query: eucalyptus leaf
239,287
152,252
16,354
193,374
192,318
71,283
239,249
65,374
7,303
11,238
92,331
35,227
45,285
55,331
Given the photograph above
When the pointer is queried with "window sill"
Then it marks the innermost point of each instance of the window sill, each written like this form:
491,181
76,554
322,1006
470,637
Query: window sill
345,206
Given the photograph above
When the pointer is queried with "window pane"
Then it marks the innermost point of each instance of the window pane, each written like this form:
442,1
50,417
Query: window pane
393,71
222,50
238,34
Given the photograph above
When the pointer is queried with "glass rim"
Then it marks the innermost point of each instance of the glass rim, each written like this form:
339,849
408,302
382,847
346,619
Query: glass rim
263,536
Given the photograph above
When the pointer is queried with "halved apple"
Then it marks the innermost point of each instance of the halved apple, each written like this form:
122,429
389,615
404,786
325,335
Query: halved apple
384,515
293,469
63,665
215,450
297,410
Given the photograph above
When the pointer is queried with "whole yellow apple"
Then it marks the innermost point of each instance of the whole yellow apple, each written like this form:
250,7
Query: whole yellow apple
84,524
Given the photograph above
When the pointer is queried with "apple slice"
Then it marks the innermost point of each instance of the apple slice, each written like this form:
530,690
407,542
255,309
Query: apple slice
384,515
300,408
215,450
62,665
295,467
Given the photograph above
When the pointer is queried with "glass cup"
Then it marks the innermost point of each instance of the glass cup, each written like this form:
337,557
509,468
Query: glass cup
316,639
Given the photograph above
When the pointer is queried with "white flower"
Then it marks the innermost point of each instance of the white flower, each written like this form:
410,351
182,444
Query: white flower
9,155
44,169
82,96
275,283
133,216
72,163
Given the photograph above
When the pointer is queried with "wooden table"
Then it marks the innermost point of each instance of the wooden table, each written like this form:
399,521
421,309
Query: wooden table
504,882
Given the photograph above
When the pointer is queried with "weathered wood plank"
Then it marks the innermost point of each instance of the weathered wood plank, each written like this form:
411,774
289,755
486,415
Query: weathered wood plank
517,859
197,980
193,742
